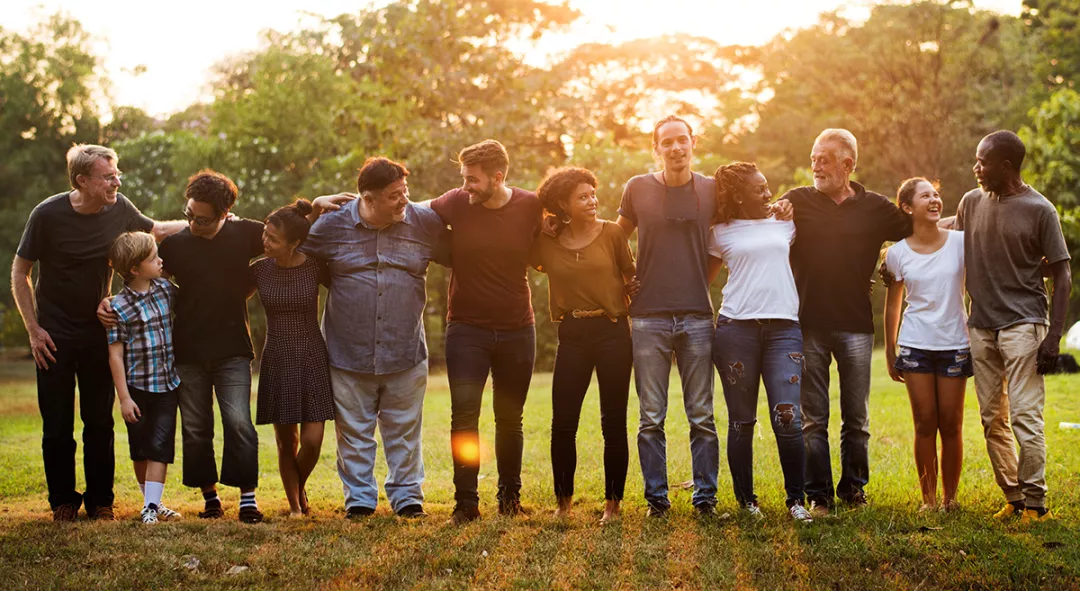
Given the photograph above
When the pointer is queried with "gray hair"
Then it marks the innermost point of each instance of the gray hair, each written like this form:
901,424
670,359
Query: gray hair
845,139
81,159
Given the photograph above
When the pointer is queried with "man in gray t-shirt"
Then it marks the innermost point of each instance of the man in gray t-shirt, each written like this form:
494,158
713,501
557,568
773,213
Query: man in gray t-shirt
1010,233
672,314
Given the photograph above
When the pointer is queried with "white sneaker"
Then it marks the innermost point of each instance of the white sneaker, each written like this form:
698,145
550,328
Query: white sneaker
166,514
149,515
800,514
754,511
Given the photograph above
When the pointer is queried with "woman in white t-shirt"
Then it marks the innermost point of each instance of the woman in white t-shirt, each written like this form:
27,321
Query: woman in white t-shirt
931,355
757,333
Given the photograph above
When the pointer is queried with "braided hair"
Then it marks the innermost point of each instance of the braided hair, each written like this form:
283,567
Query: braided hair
730,182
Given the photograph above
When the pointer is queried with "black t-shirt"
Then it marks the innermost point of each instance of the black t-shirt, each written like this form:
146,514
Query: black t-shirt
72,253
836,252
213,277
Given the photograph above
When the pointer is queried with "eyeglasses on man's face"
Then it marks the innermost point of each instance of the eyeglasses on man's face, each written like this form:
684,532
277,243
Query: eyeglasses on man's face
198,220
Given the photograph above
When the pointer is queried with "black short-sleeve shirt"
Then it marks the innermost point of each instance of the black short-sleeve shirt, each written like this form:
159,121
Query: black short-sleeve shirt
836,252
214,283
72,253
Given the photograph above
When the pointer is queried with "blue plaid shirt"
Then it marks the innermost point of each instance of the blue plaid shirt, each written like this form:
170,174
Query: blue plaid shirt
144,325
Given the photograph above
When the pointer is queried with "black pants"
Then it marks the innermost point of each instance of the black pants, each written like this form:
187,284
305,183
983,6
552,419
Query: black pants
585,344
88,363
472,352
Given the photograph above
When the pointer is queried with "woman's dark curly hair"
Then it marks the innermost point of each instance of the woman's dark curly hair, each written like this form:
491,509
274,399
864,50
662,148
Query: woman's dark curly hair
558,186
730,181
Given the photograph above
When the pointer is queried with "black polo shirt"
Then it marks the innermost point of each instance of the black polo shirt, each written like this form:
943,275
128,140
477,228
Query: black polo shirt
835,254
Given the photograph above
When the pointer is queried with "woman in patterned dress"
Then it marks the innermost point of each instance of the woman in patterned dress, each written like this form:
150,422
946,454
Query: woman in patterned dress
294,374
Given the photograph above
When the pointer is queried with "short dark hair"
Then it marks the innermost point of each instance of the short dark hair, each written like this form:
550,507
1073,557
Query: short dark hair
208,186
730,181
666,120
378,172
1009,146
292,220
560,184
489,154
905,195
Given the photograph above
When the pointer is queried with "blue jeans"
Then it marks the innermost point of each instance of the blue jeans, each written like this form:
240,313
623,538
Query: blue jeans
471,353
395,403
230,380
689,338
747,352
852,351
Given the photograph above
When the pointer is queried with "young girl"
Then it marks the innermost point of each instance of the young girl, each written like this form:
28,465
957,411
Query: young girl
934,359
294,372
757,336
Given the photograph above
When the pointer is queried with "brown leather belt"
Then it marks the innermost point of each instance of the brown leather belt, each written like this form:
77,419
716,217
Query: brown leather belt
591,314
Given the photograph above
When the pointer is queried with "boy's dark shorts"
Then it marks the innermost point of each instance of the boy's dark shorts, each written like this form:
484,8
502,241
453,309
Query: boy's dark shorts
955,363
153,437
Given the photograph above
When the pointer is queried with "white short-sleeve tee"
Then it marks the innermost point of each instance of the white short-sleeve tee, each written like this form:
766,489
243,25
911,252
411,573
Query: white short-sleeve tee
760,283
935,318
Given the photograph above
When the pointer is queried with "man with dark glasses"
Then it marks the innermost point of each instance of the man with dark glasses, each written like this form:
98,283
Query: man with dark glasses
672,210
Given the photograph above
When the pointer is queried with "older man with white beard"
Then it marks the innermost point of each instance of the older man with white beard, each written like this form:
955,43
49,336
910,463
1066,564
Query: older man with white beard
840,227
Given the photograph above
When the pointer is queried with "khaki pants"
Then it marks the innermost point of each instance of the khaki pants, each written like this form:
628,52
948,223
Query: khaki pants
1011,393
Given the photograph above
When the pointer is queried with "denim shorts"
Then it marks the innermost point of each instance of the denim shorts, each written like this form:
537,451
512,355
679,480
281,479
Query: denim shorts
954,363
153,436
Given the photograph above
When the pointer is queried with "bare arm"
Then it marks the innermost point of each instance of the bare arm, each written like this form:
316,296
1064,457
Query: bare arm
163,230
1059,304
128,409
893,299
627,225
715,264
41,344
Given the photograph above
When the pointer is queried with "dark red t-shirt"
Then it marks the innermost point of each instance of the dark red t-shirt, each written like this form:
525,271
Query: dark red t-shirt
489,283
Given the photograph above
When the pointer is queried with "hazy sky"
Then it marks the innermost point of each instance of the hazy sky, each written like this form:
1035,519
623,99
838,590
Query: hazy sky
178,42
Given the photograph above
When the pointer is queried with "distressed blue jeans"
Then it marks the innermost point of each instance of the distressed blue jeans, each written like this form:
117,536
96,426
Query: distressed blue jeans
747,352
852,351
656,339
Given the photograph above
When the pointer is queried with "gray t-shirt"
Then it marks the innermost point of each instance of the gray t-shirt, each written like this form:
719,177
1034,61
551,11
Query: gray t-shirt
1005,242
673,238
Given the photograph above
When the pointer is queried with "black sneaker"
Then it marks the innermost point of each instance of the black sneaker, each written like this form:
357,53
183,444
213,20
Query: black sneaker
705,510
858,500
657,511
212,510
464,514
358,512
412,512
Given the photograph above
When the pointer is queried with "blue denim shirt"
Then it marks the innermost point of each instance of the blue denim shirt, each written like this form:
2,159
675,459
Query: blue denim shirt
374,316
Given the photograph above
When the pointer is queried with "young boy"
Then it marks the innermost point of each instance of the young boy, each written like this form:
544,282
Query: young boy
141,360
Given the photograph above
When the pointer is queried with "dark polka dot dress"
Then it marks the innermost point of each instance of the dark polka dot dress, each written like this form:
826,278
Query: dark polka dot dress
294,372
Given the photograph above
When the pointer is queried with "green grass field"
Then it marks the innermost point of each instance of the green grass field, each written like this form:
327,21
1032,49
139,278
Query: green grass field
886,545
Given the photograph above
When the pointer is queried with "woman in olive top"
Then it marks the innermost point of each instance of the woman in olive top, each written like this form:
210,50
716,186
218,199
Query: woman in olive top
588,263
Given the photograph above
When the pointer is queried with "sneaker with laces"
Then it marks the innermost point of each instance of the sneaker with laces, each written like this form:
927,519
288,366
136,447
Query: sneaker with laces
800,514
464,514
66,512
1009,511
149,515
212,511
1033,514
358,512
752,510
657,511
512,508
165,514
412,512
858,500
705,511
104,513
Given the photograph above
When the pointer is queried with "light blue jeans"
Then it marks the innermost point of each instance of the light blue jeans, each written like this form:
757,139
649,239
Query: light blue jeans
687,337
394,402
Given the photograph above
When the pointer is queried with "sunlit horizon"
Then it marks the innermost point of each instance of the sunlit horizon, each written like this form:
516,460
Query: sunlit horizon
159,57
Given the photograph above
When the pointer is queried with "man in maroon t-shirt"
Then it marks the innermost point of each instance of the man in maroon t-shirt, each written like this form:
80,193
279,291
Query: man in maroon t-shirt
490,320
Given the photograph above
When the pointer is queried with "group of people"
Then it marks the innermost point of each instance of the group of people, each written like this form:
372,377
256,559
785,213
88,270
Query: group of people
797,296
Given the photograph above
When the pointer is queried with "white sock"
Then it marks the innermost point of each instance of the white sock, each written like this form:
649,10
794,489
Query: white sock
154,490
247,499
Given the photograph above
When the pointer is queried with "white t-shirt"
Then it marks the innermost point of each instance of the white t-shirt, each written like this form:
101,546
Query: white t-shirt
760,283
935,318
